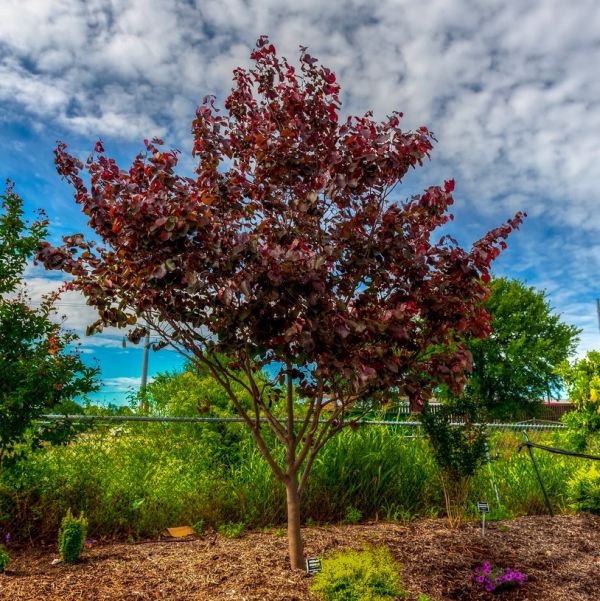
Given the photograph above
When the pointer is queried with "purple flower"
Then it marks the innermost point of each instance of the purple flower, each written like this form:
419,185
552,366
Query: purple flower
494,578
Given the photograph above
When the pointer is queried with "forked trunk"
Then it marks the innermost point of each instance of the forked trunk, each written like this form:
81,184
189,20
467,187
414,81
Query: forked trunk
295,546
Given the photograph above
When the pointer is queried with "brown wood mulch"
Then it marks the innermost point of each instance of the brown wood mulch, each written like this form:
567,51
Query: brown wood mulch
561,556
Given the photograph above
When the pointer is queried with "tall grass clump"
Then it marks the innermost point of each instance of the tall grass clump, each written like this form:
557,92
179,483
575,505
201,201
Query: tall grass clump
129,481
135,480
518,486
378,471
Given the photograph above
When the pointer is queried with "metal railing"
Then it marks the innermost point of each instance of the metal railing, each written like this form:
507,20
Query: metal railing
517,426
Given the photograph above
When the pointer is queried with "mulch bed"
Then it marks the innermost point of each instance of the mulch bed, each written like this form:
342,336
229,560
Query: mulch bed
561,556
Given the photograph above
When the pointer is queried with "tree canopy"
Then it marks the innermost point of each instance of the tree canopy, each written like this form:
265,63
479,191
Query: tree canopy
515,366
37,369
288,249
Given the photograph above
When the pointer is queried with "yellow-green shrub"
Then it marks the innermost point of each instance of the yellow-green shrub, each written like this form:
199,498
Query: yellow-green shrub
584,489
368,575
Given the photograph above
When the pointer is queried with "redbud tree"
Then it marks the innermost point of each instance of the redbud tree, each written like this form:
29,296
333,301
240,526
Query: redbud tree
288,253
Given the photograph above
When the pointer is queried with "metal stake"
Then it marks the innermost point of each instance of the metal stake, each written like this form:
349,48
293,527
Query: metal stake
539,477
489,461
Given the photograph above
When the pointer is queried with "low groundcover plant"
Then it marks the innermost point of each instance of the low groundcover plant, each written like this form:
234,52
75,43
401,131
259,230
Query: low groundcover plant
4,558
367,575
495,579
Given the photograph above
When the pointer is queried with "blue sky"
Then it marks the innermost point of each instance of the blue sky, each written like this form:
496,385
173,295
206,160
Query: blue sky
510,89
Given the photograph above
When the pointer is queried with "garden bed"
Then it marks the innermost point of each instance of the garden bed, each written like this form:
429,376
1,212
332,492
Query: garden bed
561,556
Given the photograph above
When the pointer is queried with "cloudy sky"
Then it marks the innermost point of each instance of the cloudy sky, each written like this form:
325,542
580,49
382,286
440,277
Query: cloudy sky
510,89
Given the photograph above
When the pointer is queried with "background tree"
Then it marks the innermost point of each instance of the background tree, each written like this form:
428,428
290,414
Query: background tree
514,368
193,391
286,251
37,371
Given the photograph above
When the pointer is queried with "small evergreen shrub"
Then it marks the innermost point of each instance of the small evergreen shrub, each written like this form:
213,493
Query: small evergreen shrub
584,489
369,575
232,529
71,538
4,558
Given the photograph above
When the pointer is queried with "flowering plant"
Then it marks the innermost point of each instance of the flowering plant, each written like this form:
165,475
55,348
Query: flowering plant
5,537
495,579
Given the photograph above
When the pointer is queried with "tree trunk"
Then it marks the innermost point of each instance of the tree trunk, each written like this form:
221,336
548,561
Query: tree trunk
295,546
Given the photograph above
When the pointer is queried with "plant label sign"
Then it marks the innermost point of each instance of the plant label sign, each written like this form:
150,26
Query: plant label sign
313,565
483,509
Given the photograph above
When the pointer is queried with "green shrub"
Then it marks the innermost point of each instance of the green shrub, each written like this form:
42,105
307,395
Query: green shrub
459,451
71,538
369,575
582,425
199,526
4,558
232,529
584,489
352,515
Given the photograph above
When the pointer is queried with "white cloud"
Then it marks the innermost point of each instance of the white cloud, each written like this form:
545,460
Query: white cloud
510,89
122,383
73,313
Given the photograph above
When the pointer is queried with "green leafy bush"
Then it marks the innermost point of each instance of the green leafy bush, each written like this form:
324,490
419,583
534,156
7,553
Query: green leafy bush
199,526
459,451
352,515
582,426
368,575
584,489
4,558
71,538
232,529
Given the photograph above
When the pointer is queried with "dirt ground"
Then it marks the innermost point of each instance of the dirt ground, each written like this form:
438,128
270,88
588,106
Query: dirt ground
561,556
